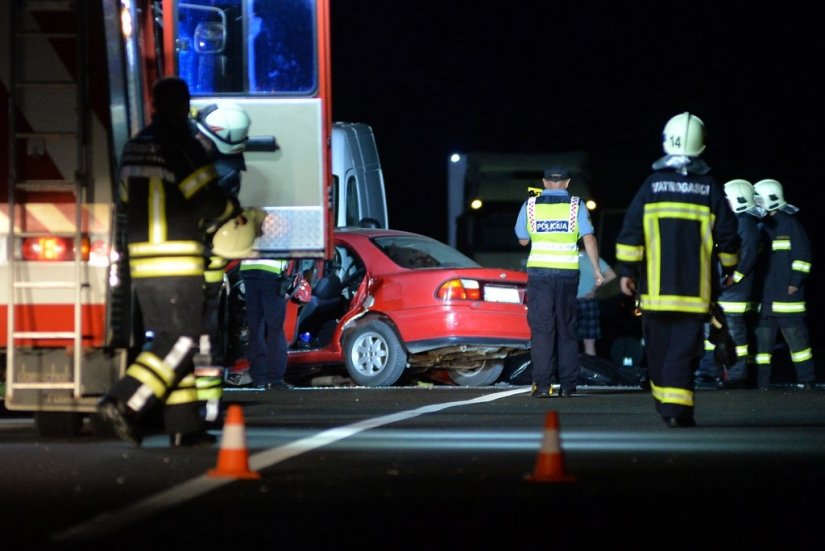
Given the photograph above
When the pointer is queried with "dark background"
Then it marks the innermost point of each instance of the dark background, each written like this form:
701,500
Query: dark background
434,77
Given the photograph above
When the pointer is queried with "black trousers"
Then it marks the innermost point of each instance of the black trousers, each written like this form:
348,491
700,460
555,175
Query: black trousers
551,314
162,374
674,346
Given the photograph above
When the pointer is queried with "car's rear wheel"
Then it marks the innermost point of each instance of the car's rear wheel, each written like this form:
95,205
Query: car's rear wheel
487,374
373,355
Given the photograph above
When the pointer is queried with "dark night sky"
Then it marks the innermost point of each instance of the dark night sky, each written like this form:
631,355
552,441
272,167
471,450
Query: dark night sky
436,76
432,77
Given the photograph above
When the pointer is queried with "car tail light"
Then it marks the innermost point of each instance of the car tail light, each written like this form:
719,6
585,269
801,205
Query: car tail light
51,248
460,289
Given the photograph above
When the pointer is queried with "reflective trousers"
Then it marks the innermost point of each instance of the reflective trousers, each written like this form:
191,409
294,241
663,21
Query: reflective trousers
162,373
673,345
795,333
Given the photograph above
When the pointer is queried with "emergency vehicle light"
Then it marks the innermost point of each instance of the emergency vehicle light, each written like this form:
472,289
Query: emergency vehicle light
51,248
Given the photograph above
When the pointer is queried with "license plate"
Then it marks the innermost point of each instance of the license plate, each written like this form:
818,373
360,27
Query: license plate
495,293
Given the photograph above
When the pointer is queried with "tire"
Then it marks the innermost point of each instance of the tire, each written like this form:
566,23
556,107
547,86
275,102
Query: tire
58,424
373,355
487,374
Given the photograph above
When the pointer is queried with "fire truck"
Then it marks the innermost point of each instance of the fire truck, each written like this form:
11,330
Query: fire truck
75,78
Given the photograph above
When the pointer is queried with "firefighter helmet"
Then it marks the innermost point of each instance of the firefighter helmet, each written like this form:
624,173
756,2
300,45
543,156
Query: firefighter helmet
684,134
740,195
769,194
226,124
235,238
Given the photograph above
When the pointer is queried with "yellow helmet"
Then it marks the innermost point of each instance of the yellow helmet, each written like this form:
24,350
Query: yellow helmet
235,238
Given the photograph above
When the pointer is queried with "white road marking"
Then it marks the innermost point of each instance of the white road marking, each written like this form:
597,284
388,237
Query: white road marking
110,522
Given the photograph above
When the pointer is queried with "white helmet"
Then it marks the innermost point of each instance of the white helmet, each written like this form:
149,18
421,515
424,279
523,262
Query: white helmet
234,239
684,134
740,195
769,195
226,124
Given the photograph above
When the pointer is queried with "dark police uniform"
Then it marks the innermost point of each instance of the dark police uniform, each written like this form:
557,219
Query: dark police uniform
553,222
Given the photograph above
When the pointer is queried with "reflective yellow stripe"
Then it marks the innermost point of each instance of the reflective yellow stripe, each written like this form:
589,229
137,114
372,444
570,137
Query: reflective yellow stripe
213,276
166,267
164,371
166,248
728,259
197,180
654,213
217,262
801,266
709,346
781,245
788,307
802,355
673,303
741,350
185,393
145,376
629,253
762,359
157,211
209,388
672,395
735,307
737,277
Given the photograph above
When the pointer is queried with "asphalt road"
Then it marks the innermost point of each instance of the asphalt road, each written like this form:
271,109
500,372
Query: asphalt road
436,467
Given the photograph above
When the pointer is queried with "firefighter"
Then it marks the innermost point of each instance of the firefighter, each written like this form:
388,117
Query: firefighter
786,268
169,192
664,253
226,125
736,296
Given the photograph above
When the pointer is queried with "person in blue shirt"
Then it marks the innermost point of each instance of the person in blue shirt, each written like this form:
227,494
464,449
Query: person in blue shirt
589,328
552,224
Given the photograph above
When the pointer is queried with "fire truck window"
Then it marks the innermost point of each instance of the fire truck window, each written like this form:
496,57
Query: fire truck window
282,56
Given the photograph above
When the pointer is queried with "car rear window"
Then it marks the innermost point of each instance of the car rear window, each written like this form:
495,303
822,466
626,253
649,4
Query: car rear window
418,252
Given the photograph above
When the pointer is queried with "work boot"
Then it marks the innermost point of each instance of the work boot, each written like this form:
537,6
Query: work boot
192,440
537,392
117,417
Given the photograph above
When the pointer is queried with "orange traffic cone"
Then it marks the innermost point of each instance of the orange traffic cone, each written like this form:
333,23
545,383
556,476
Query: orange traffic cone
550,462
233,458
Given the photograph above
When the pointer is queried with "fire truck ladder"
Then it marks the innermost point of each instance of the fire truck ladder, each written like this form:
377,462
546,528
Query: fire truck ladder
33,81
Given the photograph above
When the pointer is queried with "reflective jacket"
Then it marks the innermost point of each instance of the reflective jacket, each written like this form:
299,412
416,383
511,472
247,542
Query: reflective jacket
788,263
738,298
169,191
552,222
668,237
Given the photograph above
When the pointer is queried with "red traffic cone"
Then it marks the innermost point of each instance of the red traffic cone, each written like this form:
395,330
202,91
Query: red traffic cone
233,457
550,462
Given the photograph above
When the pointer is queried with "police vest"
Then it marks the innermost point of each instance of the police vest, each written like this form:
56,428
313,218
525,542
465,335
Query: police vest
552,222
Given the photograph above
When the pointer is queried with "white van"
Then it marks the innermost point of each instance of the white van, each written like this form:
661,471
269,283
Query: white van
359,181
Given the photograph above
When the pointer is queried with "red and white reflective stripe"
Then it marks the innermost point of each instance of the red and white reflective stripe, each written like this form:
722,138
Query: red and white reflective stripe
56,218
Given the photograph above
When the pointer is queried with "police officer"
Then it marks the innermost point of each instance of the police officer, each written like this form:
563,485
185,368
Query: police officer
664,254
552,224
788,263
736,296
265,291
169,191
